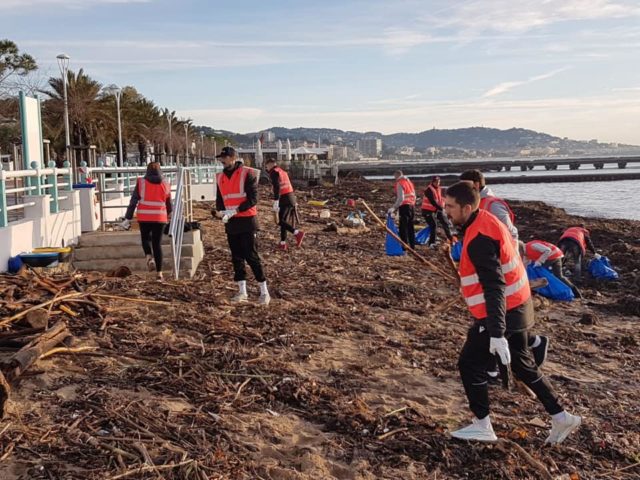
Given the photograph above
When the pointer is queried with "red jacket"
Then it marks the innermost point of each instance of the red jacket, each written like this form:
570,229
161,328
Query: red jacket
408,189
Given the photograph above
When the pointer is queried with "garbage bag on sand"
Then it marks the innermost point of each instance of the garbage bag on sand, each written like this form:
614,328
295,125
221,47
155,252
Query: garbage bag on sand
422,237
391,245
601,269
456,251
555,290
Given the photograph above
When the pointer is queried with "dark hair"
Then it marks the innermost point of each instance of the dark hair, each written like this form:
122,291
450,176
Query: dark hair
269,161
398,172
464,194
153,167
473,176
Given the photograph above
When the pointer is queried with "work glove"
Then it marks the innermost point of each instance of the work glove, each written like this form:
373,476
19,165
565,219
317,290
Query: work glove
500,347
390,211
597,256
276,205
537,264
125,224
227,214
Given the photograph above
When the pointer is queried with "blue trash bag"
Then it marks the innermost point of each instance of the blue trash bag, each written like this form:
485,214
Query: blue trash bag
391,245
456,251
422,237
601,269
556,290
14,264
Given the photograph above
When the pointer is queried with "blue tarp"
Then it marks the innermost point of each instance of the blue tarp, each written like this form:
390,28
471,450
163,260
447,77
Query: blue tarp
556,290
422,237
456,251
391,245
601,269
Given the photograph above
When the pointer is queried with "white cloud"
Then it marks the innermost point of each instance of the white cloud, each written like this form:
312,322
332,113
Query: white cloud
506,86
74,4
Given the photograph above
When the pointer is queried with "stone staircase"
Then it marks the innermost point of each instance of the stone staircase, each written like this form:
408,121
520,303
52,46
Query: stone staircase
105,251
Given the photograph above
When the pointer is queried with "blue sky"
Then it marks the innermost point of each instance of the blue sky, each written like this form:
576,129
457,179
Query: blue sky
565,67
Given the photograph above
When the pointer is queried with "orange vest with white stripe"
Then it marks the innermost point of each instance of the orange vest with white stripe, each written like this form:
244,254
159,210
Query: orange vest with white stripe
408,189
578,234
232,191
534,254
285,183
152,206
437,196
516,289
486,202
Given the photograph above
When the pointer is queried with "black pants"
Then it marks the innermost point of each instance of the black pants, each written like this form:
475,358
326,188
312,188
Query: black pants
406,229
151,236
244,248
475,357
286,220
572,251
556,269
430,218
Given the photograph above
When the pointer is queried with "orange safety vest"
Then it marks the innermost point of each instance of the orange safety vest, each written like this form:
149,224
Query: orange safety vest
285,183
486,202
578,234
437,195
152,206
408,189
516,290
534,254
232,191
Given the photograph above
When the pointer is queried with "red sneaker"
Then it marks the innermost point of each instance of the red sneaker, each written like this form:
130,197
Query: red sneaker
299,237
283,247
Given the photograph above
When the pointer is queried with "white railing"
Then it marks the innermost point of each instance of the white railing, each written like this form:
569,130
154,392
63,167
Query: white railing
182,210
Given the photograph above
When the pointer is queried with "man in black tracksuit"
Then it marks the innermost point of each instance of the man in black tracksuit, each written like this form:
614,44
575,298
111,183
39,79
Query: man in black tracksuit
241,230
502,332
284,203
432,208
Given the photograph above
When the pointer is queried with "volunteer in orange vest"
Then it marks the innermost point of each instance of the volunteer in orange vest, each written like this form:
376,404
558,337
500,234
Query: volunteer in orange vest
494,284
432,208
491,203
236,205
545,254
405,203
574,243
152,196
284,202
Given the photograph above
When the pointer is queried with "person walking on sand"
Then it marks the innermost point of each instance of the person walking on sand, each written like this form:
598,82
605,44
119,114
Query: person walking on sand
547,255
404,204
432,208
152,197
236,205
574,243
284,203
494,285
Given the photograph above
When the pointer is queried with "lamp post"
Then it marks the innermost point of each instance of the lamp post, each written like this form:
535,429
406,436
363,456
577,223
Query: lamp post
117,92
201,147
170,120
63,63
186,144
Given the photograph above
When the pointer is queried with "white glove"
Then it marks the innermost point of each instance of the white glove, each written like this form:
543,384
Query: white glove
500,346
276,205
597,256
125,224
537,264
391,211
227,214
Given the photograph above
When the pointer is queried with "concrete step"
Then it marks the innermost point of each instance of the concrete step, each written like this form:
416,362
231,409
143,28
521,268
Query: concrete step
139,264
116,239
125,251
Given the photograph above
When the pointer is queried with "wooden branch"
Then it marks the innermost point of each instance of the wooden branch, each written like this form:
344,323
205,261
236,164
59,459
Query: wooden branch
17,316
148,468
542,470
128,299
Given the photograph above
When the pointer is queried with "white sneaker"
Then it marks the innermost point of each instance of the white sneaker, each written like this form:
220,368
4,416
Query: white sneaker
476,432
561,429
264,300
240,298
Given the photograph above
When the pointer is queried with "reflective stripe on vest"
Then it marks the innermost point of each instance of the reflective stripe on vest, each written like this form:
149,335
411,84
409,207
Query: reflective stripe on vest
534,254
486,202
408,189
577,234
437,195
152,206
285,183
516,289
232,191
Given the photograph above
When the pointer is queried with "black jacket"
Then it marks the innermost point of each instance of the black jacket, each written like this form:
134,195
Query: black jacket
484,253
429,194
154,177
237,225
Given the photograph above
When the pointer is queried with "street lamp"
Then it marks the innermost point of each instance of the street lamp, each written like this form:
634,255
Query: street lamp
201,147
186,144
63,63
170,120
117,92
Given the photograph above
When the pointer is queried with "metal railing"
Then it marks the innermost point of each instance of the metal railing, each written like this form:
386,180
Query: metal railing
182,211
16,184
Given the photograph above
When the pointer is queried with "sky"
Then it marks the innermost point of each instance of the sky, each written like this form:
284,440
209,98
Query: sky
567,67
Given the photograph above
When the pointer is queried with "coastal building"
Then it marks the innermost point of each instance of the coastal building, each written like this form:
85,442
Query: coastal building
370,147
